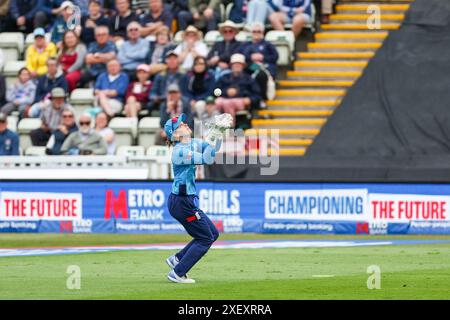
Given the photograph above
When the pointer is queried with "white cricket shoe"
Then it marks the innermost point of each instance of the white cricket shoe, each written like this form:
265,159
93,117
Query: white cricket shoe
172,276
172,261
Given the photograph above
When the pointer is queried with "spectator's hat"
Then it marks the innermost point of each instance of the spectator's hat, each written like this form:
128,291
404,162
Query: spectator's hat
228,24
3,117
66,4
192,29
39,32
237,58
58,93
173,87
210,100
173,124
171,53
143,67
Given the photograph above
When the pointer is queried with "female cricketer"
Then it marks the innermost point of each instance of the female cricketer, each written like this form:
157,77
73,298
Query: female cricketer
183,201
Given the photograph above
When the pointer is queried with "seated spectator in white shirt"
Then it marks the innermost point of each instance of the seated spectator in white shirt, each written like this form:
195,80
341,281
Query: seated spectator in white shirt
191,47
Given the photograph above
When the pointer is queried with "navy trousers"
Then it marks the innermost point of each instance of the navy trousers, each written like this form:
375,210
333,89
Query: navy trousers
184,208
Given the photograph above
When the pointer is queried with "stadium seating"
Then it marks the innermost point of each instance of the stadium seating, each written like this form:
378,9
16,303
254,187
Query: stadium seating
244,36
11,69
284,41
81,99
211,37
12,123
24,128
12,45
161,156
148,128
35,151
125,130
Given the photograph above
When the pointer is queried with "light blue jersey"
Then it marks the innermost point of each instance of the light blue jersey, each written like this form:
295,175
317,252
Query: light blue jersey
185,158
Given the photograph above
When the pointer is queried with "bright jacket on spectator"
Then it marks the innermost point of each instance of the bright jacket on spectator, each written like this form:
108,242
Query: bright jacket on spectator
198,92
97,68
9,143
118,25
142,95
133,54
162,81
26,8
23,93
245,85
269,52
45,85
36,61
225,50
288,6
87,34
184,107
120,84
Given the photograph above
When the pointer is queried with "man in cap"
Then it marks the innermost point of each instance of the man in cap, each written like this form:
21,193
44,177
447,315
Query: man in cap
64,23
238,90
174,105
163,80
51,116
223,50
9,140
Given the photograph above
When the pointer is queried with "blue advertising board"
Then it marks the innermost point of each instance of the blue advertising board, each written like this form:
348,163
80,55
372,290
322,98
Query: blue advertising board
140,207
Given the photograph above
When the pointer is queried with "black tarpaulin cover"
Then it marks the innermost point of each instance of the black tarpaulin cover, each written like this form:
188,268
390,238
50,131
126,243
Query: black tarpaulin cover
401,104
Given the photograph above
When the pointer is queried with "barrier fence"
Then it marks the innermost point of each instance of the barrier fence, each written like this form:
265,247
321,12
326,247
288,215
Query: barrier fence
140,207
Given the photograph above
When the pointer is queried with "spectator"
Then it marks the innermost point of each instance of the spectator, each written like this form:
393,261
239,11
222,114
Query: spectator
51,117
257,11
38,54
118,23
4,10
83,5
158,50
9,140
99,53
85,141
156,18
261,52
239,91
198,84
27,15
176,6
139,6
203,14
94,18
133,51
163,80
174,105
209,112
191,47
51,8
72,58
297,12
110,88
138,92
227,47
67,126
20,94
101,127
45,84
63,23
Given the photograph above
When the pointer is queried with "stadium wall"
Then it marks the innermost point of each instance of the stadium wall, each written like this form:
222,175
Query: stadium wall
140,207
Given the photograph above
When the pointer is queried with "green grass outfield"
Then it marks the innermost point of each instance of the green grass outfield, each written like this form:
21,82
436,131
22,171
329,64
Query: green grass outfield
408,271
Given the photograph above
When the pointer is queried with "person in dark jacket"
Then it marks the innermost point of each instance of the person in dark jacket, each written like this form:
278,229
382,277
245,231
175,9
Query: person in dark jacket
174,105
118,23
156,18
239,91
199,83
91,21
27,15
223,50
9,140
260,51
163,79
68,125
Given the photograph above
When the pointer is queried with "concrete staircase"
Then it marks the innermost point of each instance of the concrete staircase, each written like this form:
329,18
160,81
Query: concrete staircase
325,71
